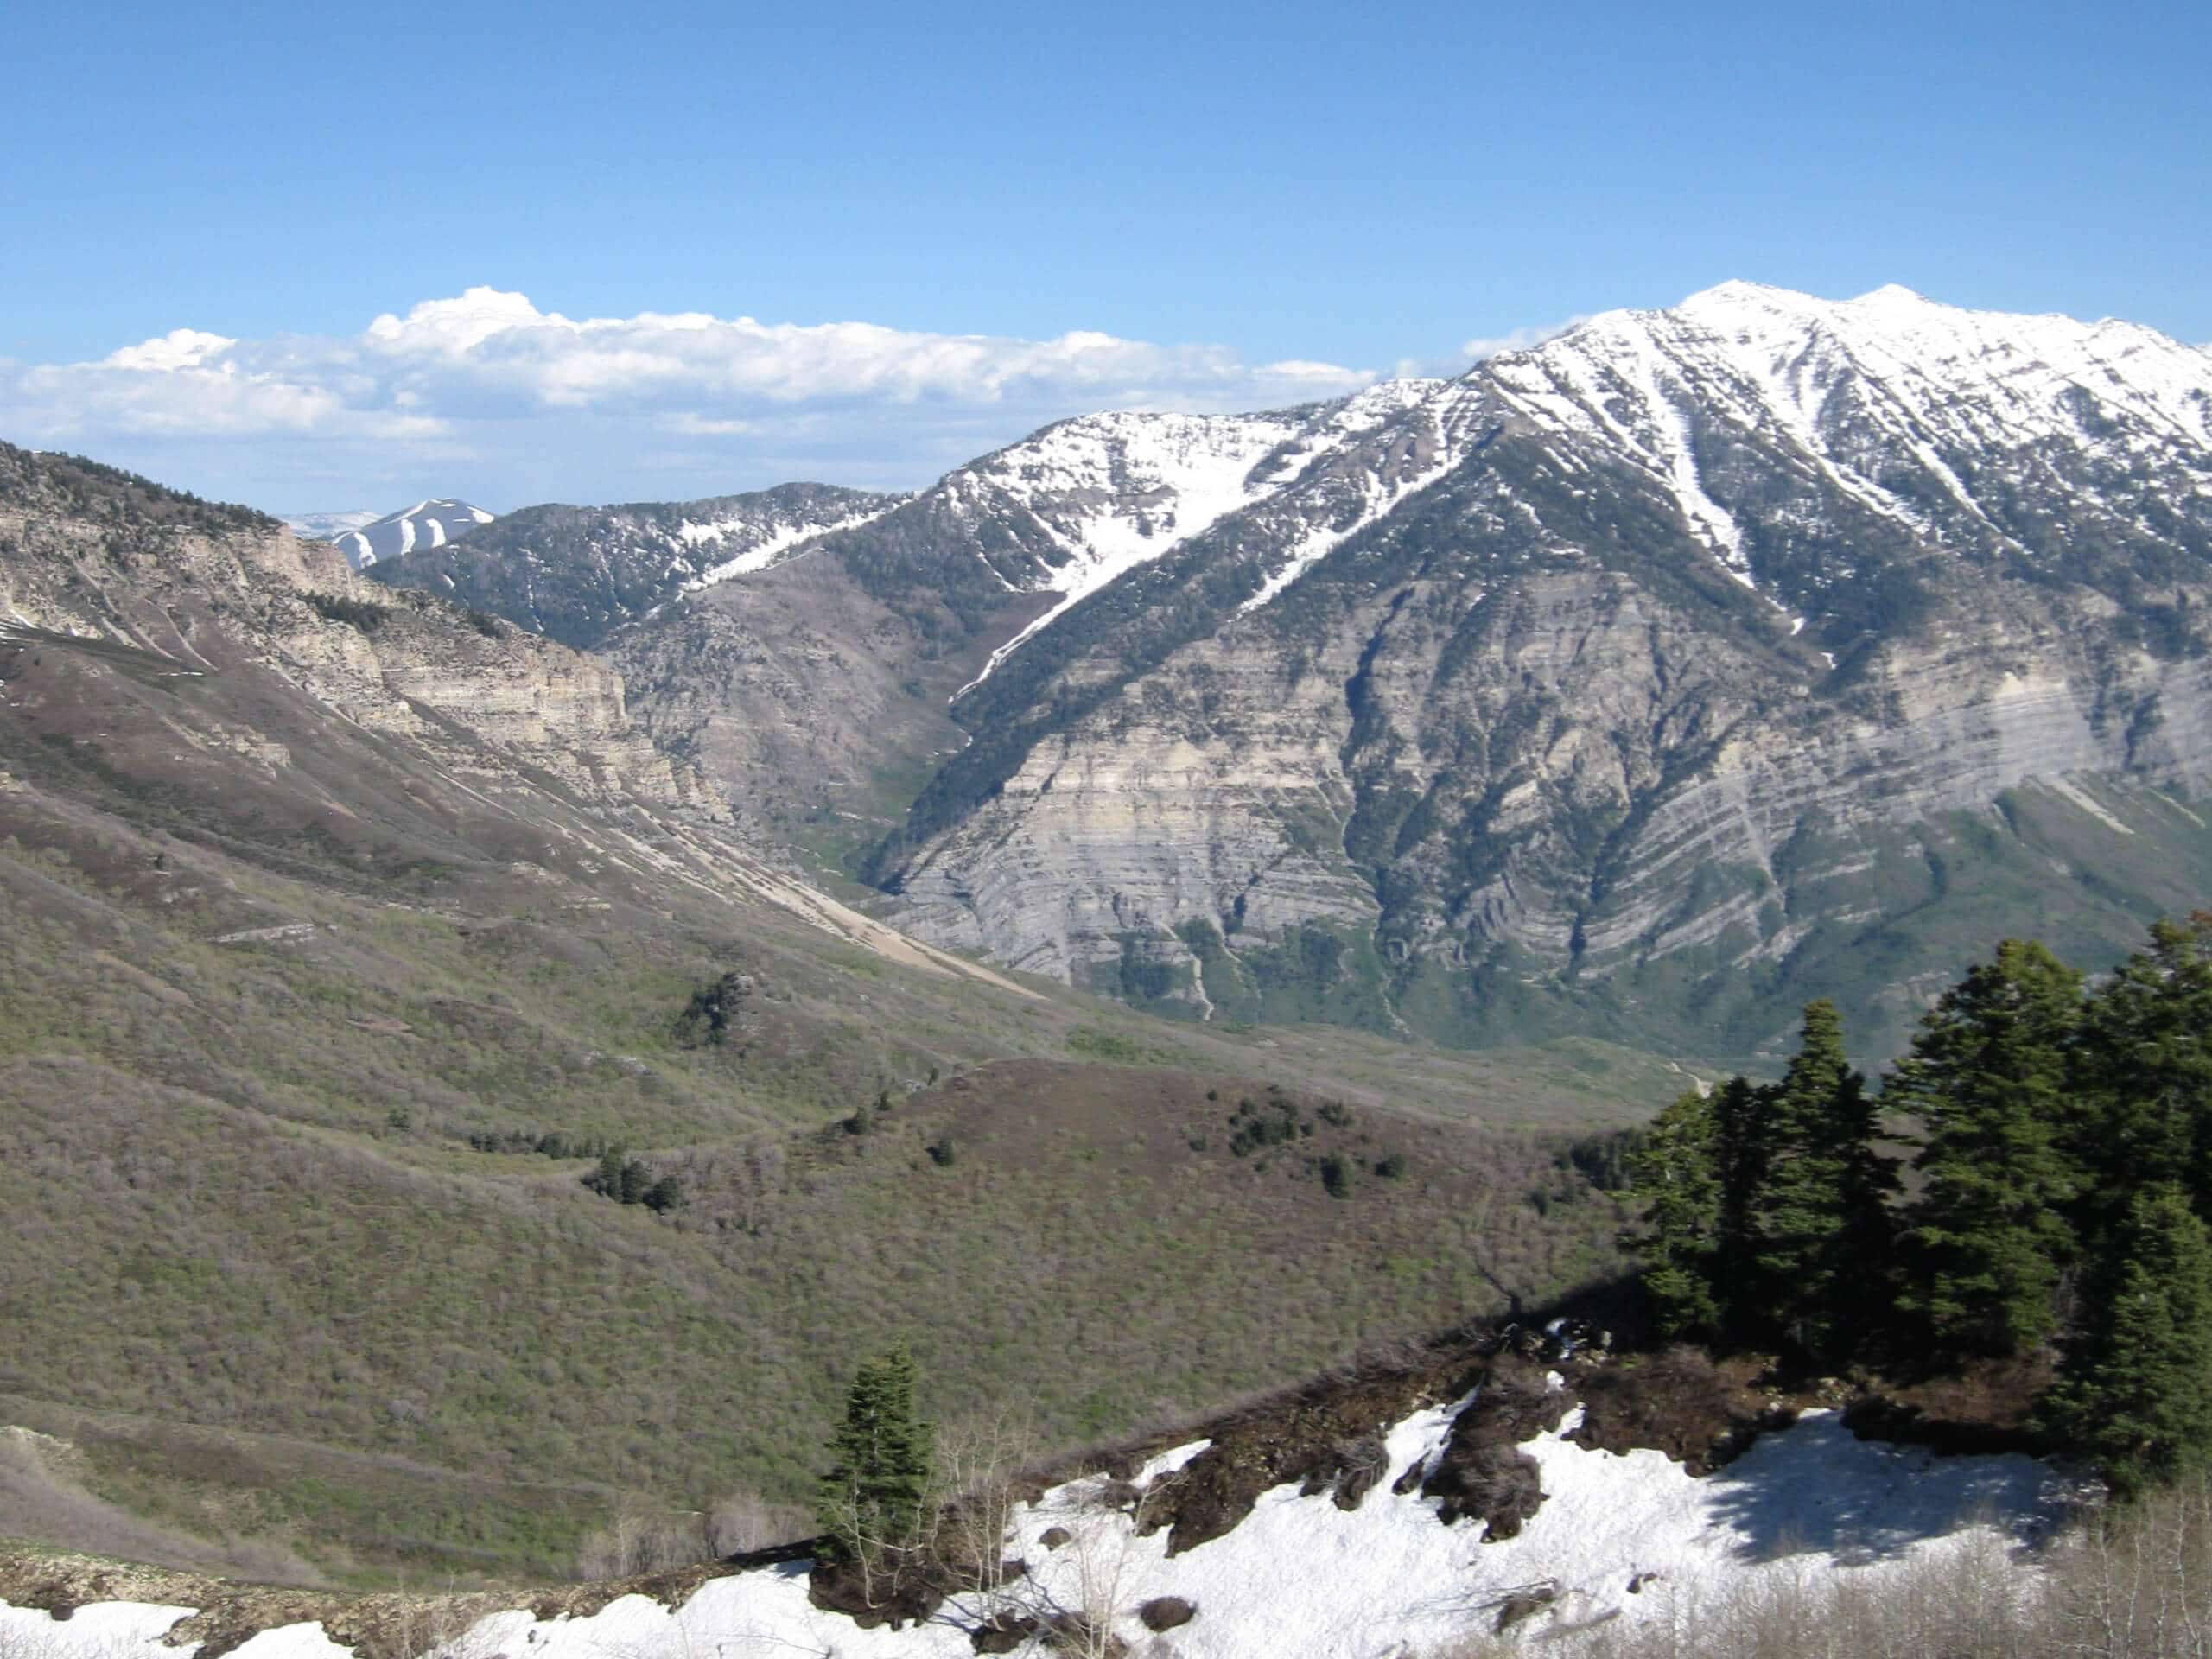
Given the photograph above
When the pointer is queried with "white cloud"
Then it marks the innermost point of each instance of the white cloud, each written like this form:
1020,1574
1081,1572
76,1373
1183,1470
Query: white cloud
684,423
566,407
181,349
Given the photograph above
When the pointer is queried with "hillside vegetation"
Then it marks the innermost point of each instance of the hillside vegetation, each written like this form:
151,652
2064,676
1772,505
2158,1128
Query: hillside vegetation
318,1008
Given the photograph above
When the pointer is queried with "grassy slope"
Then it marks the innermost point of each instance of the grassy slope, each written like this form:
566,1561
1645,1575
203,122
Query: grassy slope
257,1212
266,968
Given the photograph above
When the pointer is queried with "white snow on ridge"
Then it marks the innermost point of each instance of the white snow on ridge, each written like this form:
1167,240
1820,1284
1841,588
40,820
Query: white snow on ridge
1922,376
1446,406
1301,1579
769,550
365,537
1116,491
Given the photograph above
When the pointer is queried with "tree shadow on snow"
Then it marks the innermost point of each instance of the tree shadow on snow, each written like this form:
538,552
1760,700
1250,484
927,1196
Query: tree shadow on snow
1817,1489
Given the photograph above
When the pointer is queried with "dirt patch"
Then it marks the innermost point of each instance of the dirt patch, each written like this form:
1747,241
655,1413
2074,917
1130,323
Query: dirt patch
1701,1413
870,1599
1986,1405
1002,1633
1314,1437
1482,1474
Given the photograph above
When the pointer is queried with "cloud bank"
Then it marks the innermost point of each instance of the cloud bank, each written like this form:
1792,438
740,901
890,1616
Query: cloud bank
486,395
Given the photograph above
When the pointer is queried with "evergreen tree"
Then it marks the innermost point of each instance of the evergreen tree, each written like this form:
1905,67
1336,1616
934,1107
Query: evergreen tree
1743,1116
1988,1077
878,1483
607,1178
2146,1045
1820,1228
1677,1172
2136,1389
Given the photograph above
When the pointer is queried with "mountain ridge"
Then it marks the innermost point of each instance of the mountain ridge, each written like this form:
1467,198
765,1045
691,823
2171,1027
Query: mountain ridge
1823,568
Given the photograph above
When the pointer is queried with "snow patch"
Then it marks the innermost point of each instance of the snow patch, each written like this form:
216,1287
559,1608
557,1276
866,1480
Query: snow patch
1301,1579
766,552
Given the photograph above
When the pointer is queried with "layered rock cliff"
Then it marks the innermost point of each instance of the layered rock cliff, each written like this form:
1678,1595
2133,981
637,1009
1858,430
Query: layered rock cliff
90,553
1712,659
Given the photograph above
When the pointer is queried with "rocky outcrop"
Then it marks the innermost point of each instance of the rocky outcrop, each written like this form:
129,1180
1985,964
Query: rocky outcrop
211,592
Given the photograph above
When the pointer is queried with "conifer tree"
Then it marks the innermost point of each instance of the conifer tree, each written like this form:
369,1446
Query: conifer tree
1741,1117
1677,1172
878,1485
1819,1223
2136,1389
2146,1045
1988,1077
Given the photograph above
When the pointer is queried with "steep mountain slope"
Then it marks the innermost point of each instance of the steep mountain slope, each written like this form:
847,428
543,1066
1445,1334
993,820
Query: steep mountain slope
367,539
1714,657
576,574
821,692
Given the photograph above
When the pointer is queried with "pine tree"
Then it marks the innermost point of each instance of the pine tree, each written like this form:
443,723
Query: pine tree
2146,1044
607,1178
1743,1114
1820,1230
1988,1077
1677,1172
2136,1389
878,1485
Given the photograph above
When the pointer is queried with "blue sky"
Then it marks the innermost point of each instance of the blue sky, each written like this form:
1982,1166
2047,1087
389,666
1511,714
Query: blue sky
1253,203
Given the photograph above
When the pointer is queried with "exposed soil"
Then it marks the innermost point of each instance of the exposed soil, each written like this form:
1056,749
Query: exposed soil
1482,1473
1701,1413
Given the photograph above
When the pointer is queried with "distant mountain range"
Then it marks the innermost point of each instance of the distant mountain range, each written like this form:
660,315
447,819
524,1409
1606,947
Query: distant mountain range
577,574
1652,680
366,537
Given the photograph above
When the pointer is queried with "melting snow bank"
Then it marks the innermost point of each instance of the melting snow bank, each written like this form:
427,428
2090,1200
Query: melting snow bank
1619,1539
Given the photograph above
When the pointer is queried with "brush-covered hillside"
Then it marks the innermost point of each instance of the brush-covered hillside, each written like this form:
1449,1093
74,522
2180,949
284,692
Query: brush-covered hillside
432,1124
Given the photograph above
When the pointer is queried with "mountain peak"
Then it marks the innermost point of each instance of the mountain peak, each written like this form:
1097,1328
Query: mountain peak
1892,293
365,537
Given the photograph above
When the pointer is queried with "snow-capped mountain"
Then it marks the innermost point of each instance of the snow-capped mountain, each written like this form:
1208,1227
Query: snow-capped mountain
1894,401
1639,669
367,539
1113,492
1654,657
576,574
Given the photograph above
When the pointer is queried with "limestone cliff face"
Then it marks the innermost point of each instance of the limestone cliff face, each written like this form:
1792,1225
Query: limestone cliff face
220,588
1764,649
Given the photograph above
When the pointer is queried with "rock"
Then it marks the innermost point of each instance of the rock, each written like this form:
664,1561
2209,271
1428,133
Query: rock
1167,1612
